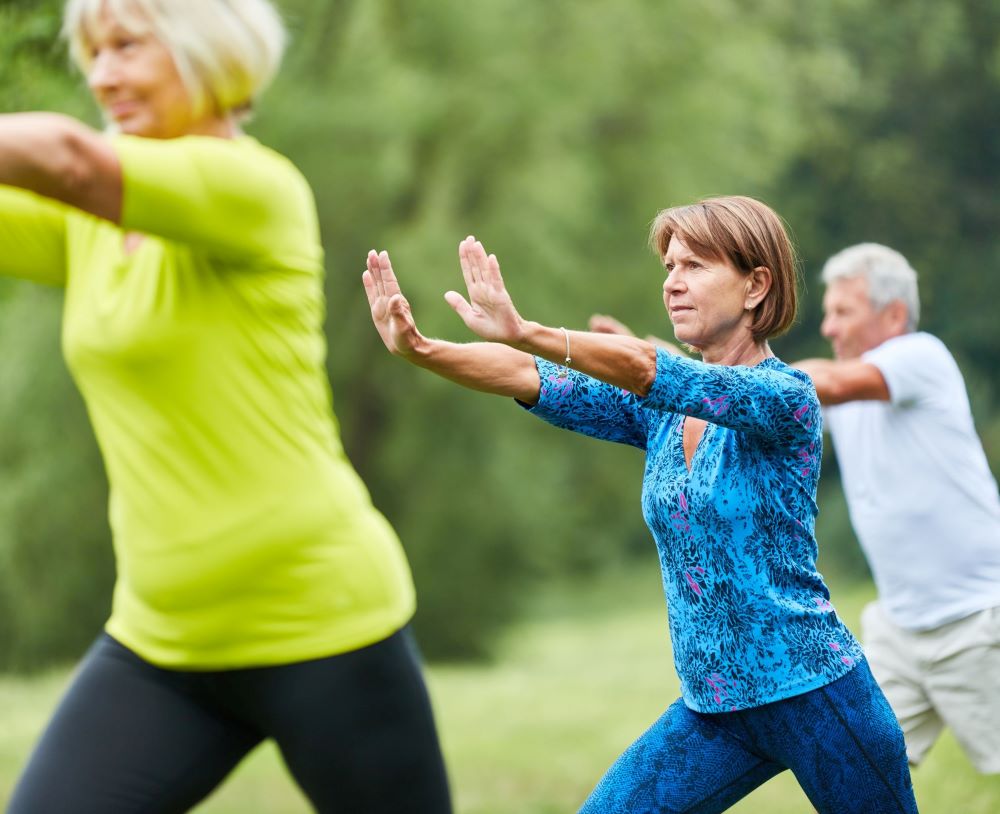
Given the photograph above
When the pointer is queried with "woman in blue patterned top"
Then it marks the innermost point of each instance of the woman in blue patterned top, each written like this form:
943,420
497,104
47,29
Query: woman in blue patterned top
771,679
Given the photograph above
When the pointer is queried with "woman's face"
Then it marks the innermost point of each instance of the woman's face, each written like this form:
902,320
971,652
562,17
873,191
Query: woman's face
707,300
136,83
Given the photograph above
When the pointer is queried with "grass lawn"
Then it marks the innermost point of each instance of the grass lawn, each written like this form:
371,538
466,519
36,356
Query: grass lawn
533,732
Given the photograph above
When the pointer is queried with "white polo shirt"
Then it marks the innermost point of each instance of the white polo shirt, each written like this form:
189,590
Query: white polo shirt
921,496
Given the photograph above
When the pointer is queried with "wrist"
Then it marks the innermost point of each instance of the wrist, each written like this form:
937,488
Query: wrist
530,338
418,350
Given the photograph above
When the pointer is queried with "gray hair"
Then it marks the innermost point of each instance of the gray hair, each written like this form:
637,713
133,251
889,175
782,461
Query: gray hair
226,51
889,275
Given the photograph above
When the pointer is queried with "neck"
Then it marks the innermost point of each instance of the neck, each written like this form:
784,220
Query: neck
747,352
217,126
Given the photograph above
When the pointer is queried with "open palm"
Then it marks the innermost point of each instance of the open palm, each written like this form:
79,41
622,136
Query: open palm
489,311
390,309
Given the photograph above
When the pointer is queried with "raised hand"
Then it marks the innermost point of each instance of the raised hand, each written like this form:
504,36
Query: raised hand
489,311
390,309
604,324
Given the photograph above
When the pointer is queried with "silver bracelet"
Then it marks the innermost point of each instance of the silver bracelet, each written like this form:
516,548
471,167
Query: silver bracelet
563,372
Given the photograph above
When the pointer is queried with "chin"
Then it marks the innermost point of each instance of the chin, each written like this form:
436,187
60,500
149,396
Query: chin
138,127
128,128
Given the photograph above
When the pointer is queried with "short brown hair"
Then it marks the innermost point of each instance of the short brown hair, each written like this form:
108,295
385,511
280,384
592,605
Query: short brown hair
748,234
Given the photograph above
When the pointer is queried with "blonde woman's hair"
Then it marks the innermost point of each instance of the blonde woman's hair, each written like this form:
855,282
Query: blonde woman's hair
746,233
226,51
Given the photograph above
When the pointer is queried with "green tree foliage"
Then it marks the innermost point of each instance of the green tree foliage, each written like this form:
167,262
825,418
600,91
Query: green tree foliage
553,131
905,151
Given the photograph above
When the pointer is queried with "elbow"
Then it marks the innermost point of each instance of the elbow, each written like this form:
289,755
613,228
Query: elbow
829,392
645,373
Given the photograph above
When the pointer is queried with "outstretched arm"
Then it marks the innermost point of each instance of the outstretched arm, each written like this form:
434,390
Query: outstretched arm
486,366
60,158
838,381
623,361
605,324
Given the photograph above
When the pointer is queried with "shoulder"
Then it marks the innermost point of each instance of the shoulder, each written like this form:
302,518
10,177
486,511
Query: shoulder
915,366
917,355
787,379
918,347
794,395
255,151
243,156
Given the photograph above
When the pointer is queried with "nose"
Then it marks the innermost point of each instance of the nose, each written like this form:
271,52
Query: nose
103,72
828,327
672,282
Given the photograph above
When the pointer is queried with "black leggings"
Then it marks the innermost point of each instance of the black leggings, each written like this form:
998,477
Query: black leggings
355,730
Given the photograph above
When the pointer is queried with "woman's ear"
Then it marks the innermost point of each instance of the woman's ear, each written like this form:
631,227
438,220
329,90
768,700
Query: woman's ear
758,284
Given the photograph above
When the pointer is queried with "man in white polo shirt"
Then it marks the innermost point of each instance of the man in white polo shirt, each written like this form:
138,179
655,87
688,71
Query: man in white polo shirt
922,500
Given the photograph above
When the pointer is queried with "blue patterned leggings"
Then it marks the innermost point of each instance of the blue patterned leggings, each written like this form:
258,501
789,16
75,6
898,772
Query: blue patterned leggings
840,741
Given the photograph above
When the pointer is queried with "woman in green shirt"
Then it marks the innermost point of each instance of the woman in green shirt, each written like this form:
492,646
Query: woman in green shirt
259,593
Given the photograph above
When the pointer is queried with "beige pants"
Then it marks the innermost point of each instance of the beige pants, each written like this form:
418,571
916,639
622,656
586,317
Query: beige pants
947,676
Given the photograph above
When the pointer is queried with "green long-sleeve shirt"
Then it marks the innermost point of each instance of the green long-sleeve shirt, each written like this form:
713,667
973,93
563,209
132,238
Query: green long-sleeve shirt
242,534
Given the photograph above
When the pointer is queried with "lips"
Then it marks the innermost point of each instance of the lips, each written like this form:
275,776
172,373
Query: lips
121,110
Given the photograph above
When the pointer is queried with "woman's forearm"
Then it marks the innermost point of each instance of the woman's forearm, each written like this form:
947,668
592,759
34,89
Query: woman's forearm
624,361
60,158
485,366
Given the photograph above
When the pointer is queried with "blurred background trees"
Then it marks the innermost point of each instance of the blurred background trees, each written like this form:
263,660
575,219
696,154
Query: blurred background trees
554,132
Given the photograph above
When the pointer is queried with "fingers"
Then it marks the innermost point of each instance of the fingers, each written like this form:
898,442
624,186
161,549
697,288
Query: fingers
379,268
604,324
390,309
372,277
463,259
478,267
371,290
492,270
461,307
469,261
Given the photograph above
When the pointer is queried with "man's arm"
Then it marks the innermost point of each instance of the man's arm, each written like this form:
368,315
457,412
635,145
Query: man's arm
838,381
605,324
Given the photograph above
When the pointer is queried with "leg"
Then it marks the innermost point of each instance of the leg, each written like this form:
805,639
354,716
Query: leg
844,746
128,738
683,764
356,730
894,659
965,685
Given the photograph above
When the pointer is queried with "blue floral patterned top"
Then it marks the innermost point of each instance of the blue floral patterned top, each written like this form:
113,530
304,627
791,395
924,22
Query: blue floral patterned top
750,617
